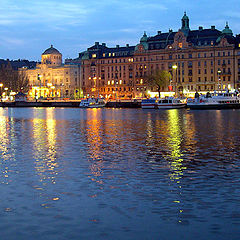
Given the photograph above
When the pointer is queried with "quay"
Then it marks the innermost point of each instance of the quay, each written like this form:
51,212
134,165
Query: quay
71,103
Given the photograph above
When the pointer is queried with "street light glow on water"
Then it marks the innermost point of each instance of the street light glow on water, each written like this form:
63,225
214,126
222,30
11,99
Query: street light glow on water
119,174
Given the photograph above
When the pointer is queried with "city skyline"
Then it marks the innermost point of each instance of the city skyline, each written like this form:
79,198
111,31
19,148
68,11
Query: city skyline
28,28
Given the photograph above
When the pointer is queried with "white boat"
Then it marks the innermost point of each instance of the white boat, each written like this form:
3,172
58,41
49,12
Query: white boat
92,103
170,103
216,100
149,103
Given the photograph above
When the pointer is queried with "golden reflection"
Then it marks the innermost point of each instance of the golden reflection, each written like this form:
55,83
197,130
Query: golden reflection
174,144
5,143
44,136
93,130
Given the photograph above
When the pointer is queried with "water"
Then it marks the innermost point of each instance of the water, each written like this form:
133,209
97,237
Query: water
119,174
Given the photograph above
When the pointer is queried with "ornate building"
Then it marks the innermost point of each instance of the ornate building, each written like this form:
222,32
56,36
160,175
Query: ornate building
202,60
51,78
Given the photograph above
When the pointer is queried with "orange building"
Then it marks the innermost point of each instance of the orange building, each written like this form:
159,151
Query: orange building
202,60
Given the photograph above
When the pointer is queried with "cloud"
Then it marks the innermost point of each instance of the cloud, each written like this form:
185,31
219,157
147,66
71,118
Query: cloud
44,12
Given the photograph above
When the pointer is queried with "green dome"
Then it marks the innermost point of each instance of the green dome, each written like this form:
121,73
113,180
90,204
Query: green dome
144,38
227,30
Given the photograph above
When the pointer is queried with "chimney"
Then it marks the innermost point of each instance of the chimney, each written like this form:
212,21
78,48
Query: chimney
104,44
159,32
212,27
170,30
96,43
127,45
117,46
200,28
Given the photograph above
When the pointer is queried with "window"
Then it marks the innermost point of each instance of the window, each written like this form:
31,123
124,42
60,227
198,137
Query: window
205,55
190,55
199,64
199,79
199,55
199,71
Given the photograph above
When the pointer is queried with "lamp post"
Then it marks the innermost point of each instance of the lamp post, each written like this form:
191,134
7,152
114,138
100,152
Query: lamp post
39,79
174,67
219,79
1,86
6,89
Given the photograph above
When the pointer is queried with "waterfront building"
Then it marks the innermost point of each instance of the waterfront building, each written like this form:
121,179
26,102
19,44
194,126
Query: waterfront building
198,60
51,78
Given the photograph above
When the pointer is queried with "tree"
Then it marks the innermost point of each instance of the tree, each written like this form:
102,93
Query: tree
23,81
158,79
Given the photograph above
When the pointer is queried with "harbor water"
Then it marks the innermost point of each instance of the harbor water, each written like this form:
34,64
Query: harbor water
119,174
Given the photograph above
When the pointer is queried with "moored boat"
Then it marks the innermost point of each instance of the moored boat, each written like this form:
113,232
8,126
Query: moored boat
149,103
170,103
92,103
216,100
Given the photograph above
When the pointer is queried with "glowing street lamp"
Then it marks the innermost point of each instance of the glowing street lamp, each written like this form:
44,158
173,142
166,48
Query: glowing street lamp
175,68
219,79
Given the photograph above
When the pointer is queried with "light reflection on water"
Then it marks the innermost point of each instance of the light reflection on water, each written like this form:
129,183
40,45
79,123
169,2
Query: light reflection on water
119,174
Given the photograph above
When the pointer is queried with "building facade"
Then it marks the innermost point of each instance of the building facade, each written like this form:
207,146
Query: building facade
198,60
51,78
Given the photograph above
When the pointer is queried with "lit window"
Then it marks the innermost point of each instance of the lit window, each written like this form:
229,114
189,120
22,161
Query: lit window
109,54
112,82
104,54
113,54
120,82
239,45
141,81
180,45
108,82
94,55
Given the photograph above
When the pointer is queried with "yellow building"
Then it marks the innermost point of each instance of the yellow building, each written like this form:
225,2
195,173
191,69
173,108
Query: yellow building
52,79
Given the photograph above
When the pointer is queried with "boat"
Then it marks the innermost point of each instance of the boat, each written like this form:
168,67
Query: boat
149,103
216,100
170,103
92,103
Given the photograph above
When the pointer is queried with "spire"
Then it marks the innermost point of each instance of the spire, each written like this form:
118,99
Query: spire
185,24
227,30
144,37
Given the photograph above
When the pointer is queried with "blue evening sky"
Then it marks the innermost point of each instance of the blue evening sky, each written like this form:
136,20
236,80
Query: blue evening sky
28,27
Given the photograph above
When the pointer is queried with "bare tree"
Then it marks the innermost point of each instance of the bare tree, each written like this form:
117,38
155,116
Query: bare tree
158,79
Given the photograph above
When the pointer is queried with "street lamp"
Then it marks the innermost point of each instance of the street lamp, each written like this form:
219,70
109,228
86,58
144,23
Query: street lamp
1,85
219,79
39,79
174,67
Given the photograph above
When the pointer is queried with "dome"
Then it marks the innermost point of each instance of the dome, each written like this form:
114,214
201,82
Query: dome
51,50
144,38
227,30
